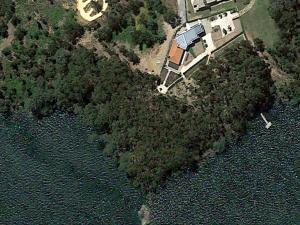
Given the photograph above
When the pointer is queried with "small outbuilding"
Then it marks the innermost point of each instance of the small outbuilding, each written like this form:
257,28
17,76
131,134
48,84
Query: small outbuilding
198,4
203,4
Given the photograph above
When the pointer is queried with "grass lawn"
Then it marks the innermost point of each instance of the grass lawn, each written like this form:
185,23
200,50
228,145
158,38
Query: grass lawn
54,13
125,36
257,23
240,4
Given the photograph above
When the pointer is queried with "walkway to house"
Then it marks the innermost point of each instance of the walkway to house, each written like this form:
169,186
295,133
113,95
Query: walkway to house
88,15
169,81
247,8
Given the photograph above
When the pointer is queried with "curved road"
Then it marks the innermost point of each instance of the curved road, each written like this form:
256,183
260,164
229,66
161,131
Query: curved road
247,8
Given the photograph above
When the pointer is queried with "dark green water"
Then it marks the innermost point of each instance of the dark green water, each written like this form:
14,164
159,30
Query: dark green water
255,182
51,173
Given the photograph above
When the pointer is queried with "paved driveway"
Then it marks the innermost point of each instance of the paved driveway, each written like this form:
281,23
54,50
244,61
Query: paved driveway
247,8
182,10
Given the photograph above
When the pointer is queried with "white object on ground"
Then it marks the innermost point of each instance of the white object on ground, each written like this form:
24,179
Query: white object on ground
87,15
162,89
208,58
268,124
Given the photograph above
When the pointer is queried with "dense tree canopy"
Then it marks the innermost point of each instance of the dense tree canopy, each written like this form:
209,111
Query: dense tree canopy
150,136
286,14
140,18
154,136
6,13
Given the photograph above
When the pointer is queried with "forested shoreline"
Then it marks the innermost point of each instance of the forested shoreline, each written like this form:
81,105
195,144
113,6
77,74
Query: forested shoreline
150,136
287,51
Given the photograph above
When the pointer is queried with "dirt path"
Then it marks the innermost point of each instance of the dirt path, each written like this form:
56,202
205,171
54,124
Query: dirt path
278,75
89,41
7,41
153,59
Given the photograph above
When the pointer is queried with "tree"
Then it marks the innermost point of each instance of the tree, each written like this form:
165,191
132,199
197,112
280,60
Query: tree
3,29
287,51
260,46
150,136
19,33
104,33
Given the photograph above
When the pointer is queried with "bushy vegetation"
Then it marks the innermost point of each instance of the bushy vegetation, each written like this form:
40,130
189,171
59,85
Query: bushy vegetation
287,50
130,54
7,10
231,90
150,136
140,17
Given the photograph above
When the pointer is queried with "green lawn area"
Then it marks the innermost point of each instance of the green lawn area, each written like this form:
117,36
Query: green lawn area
257,23
54,13
240,4
125,36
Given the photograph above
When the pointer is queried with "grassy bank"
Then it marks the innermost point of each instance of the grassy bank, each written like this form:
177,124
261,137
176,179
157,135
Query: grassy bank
259,24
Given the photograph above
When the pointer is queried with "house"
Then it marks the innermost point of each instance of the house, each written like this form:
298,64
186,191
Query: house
186,38
198,4
212,2
175,54
202,4
181,43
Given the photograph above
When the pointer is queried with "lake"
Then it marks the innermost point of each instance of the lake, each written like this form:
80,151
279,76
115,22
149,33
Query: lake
53,172
254,182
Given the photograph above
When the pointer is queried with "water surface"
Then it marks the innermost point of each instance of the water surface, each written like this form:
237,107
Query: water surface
254,182
52,172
